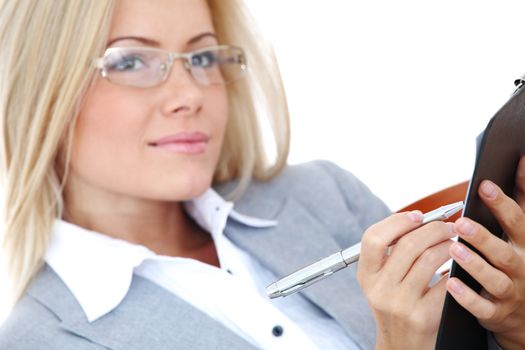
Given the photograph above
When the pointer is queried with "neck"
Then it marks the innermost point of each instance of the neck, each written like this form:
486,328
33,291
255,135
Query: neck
161,226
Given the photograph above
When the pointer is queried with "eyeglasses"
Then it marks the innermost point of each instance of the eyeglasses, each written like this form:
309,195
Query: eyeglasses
147,67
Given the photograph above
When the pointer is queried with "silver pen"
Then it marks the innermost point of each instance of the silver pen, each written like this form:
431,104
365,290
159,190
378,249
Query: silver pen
325,267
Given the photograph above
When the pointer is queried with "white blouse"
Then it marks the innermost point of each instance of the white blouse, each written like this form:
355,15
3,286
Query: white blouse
98,270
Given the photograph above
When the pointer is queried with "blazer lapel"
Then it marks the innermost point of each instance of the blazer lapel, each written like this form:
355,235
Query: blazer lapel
150,317
298,240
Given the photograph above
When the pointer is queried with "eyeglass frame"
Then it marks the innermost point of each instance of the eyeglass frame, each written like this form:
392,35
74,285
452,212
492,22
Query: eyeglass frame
98,63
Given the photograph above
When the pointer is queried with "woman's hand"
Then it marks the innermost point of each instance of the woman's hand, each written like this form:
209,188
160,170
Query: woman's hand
500,307
406,309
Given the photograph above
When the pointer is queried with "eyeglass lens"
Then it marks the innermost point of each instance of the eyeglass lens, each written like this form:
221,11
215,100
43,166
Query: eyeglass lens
143,67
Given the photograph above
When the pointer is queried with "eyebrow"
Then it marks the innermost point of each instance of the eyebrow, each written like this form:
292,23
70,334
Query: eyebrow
155,43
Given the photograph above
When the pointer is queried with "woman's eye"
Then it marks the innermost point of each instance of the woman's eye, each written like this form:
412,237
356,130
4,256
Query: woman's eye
126,63
204,59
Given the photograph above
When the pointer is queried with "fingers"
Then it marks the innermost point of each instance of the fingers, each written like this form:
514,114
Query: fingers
502,274
478,306
415,246
424,269
494,281
379,236
508,213
436,295
497,251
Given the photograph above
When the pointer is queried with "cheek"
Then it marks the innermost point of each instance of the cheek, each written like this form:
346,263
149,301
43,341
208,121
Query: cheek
221,112
108,138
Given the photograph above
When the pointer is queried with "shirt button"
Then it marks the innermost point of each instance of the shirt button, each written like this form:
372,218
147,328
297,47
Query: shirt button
277,331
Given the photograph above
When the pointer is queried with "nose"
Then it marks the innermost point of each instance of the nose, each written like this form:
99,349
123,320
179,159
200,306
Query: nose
183,96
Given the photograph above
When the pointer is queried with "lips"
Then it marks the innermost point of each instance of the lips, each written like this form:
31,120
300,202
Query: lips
183,142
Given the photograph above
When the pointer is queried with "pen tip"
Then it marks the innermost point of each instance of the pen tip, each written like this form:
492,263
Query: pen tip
273,291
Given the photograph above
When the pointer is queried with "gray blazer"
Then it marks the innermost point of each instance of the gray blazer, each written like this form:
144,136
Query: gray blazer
320,209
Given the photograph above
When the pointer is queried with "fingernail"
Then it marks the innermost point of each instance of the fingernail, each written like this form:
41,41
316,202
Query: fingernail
465,228
488,189
455,286
415,216
460,252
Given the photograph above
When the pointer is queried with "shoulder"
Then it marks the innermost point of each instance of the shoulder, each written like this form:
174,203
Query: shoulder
24,323
326,190
300,176
32,325
312,179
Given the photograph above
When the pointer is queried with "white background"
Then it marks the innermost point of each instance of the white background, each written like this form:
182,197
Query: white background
395,91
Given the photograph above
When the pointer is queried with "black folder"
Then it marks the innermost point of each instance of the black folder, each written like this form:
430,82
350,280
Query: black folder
499,149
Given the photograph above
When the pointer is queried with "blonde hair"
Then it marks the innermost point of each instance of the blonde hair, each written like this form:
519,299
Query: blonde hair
258,98
47,48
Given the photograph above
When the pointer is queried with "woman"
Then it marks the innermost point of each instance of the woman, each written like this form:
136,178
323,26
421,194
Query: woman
118,118
121,141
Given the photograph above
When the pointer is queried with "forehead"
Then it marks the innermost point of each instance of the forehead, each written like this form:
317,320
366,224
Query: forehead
170,22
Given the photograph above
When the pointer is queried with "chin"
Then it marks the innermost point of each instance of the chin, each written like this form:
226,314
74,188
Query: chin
183,188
